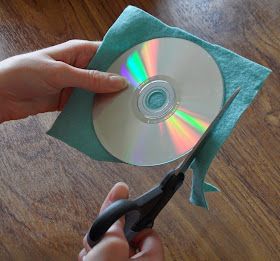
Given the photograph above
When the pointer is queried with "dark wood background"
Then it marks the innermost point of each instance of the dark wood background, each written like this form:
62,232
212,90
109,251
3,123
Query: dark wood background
50,193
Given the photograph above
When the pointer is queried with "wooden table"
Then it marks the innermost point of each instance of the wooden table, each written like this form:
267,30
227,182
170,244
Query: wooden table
50,193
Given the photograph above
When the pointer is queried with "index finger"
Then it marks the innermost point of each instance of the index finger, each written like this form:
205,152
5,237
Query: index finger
74,52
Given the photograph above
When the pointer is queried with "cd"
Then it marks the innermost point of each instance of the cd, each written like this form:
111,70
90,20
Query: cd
175,91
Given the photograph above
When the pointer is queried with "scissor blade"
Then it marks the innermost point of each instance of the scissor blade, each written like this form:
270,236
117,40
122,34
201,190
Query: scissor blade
188,160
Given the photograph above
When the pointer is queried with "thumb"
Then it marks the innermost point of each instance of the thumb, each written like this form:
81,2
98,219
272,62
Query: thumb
114,241
91,80
149,245
119,191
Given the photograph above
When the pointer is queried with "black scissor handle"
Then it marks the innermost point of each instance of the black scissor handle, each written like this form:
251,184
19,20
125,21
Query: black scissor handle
132,226
139,213
105,220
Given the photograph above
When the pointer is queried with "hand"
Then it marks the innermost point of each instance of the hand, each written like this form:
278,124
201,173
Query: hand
114,245
42,81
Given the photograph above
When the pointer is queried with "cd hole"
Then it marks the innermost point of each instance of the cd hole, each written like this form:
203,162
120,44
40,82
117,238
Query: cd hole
156,99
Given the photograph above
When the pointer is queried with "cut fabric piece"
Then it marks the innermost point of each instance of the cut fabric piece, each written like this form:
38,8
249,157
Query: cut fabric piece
74,125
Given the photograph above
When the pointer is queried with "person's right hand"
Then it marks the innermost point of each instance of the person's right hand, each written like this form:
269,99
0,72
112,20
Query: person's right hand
114,246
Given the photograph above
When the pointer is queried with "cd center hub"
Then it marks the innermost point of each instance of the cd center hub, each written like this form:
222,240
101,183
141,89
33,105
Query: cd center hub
156,101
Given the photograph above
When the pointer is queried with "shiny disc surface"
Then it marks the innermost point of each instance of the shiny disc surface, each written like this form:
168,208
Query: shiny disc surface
176,90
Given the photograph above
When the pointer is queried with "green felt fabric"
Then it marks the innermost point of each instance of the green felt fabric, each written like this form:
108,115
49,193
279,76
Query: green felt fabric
74,125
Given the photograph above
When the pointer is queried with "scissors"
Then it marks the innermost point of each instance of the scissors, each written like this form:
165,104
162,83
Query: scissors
141,212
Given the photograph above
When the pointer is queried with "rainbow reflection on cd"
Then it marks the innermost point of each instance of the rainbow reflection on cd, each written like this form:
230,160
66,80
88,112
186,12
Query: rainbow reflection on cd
141,66
184,126
185,129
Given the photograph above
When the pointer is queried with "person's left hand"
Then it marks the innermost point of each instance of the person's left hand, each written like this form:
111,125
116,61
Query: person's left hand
42,81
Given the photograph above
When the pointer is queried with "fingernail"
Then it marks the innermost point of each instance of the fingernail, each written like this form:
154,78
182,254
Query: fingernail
118,81
120,190
113,194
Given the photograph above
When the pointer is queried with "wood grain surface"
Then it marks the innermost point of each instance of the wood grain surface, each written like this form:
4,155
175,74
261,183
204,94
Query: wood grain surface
50,192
